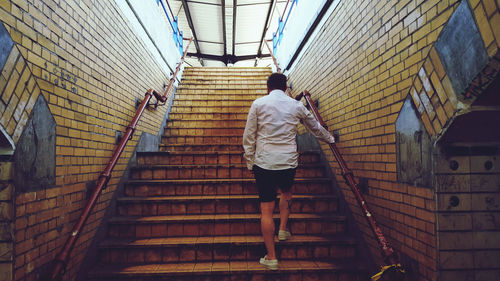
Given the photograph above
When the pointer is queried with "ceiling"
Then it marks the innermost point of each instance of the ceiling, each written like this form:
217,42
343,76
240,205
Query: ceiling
227,31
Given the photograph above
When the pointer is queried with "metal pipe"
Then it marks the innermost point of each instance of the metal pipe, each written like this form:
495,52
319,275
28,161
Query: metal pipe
61,260
166,14
259,52
390,256
282,17
224,37
235,10
164,97
170,9
272,55
191,26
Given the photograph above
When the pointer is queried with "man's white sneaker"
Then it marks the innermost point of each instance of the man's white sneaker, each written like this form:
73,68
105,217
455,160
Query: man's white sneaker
284,235
271,264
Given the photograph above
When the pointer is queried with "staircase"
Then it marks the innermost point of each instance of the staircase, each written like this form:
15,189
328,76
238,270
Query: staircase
191,211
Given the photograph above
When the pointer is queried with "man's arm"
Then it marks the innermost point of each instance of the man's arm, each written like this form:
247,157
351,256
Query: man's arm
250,136
314,127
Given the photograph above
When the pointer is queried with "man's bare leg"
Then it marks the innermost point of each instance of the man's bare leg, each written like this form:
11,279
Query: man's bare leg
267,228
285,200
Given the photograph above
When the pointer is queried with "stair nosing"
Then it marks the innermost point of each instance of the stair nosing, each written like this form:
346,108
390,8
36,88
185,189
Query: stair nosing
210,152
213,197
205,144
231,239
188,268
216,218
206,120
176,127
198,181
232,165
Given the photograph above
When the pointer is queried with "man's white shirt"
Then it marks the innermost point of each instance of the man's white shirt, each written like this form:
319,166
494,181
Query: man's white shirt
272,124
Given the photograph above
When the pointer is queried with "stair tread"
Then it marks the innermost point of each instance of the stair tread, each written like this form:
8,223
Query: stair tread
207,144
241,119
212,84
195,113
225,267
208,152
254,216
218,96
225,152
217,106
238,239
198,181
211,197
255,76
233,165
179,127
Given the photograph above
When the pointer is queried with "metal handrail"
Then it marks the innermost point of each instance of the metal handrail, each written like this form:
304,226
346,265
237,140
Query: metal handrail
272,55
176,32
281,28
61,260
390,256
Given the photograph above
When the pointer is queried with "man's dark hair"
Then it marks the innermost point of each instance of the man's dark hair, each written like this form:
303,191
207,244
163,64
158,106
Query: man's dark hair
276,81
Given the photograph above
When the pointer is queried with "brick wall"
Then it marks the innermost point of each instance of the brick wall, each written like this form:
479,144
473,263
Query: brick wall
6,219
361,66
90,67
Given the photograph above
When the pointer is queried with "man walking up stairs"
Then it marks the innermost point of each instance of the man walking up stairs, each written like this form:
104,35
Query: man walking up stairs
271,153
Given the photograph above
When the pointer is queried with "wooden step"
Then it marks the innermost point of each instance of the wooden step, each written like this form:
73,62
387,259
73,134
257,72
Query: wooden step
211,171
300,270
212,124
218,204
252,89
216,74
223,248
221,132
211,86
222,93
219,225
213,103
145,188
225,79
226,70
201,139
228,82
208,157
210,72
228,147
196,96
184,108
208,116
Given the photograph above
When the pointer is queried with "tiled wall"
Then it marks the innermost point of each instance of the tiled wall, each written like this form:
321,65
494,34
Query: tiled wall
364,62
86,61
467,186
6,220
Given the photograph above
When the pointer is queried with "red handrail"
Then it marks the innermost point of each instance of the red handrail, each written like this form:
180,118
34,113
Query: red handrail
61,260
390,257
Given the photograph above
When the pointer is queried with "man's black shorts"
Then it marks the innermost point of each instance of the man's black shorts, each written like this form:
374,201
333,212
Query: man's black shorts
268,182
